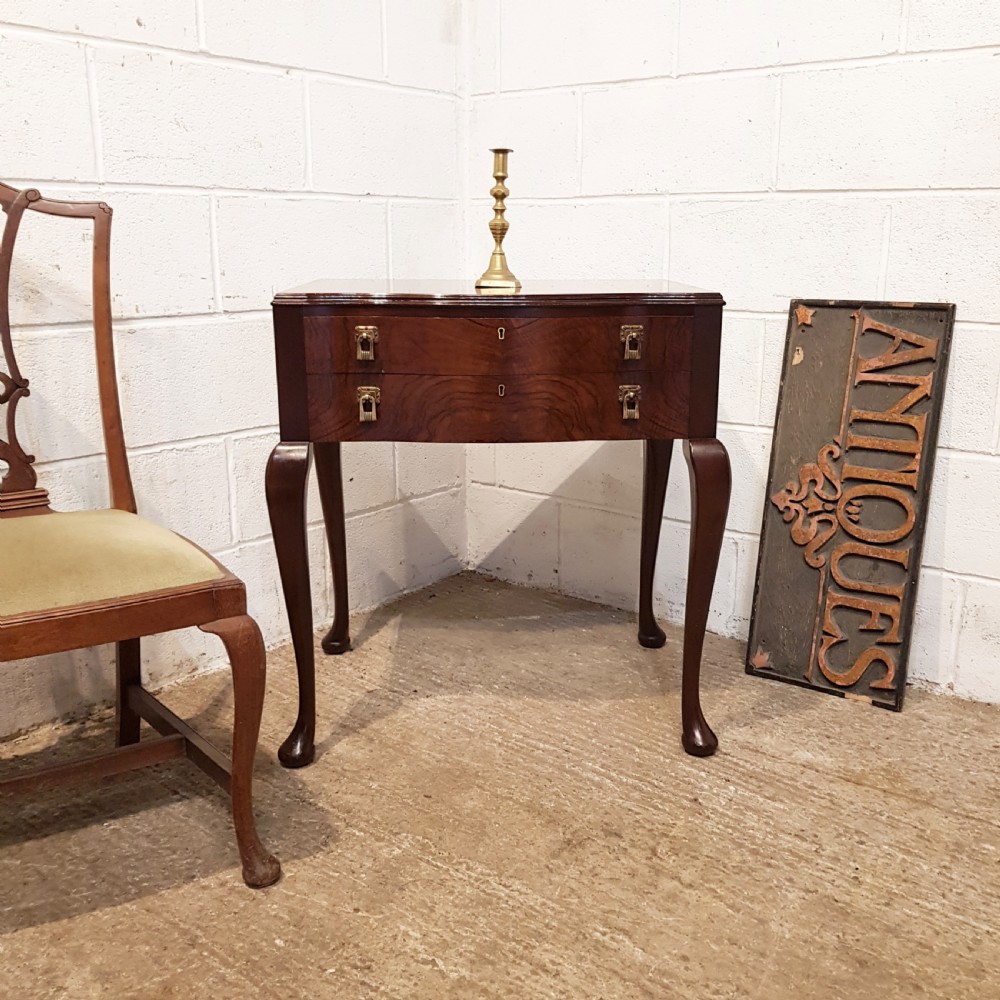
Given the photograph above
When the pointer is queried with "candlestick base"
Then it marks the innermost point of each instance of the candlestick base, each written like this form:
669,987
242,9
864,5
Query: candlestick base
498,275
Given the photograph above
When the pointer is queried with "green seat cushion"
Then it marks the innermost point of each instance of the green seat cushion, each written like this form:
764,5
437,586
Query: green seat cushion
52,561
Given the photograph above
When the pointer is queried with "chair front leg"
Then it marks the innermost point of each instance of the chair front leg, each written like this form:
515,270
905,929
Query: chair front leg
245,647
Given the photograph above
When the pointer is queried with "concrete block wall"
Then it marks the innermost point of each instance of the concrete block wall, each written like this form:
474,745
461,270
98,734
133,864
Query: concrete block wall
245,147
766,150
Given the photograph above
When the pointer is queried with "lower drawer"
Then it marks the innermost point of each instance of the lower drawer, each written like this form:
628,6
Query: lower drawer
472,409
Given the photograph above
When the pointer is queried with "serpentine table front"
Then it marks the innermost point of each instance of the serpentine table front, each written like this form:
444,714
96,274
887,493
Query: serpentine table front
438,362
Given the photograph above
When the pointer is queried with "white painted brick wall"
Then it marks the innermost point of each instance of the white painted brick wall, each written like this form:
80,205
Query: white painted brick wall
769,150
244,149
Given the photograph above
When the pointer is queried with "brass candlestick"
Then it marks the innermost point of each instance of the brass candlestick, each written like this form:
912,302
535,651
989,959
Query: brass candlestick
498,275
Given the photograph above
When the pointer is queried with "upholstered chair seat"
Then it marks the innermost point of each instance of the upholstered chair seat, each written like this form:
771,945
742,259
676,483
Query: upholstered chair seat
89,556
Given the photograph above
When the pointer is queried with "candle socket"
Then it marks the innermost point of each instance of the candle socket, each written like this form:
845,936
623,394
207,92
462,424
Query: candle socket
498,275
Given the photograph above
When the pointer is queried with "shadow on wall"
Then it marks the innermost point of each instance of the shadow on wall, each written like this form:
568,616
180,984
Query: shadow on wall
580,532
400,548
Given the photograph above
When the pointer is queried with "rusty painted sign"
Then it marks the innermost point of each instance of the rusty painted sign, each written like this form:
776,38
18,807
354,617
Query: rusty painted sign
851,466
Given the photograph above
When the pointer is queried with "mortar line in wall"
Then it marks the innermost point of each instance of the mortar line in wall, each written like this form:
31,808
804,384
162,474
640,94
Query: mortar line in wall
579,141
150,449
800,194
667,265
882,59
170,320
95,112
307,133
675,68
127,187
498,47
357,514
883,264
960,574
125,323
231,487
904,25
388,239
782,314
245,63
463,85
776,140
955,638
199,14
384,36
213,246
379,508
996,425
217,438
367,83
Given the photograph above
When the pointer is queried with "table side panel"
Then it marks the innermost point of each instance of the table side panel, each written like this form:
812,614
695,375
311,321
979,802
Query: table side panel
290,368
706,344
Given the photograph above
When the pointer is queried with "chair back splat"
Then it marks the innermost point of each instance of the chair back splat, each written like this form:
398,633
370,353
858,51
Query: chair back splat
19,490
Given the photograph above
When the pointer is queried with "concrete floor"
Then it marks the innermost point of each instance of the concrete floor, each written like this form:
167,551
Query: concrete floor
501,808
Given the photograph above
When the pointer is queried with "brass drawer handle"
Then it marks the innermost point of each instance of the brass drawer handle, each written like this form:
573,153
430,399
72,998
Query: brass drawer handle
366,337
631,337
628,396
369,396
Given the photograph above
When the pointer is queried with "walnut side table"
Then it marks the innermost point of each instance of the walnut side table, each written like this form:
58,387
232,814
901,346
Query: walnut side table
435,361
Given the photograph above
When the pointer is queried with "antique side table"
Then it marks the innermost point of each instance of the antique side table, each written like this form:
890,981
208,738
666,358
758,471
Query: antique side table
435,361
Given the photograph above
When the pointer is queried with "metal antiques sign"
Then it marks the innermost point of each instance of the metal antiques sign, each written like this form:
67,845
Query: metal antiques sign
851,466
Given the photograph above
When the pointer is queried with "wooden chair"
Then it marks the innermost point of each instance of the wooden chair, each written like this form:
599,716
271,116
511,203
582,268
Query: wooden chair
69,580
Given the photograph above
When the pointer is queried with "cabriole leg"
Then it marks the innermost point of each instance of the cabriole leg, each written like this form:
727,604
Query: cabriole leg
331,492
654,489
710,484
245,647
285,487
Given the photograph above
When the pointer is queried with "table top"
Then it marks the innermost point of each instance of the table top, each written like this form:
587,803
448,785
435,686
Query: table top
348,291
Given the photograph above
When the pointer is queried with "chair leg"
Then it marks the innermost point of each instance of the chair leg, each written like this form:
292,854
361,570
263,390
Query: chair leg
127,673
245,647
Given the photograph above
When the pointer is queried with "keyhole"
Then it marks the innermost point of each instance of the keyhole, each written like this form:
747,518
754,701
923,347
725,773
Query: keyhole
501,333
501,389
366,405
365,344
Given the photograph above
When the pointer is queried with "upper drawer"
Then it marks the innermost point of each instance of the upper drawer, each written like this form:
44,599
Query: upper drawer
407,345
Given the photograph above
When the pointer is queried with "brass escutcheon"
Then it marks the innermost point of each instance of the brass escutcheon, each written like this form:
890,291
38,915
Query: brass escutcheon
366,337
631,337
369,396
501,389
501,332
628,396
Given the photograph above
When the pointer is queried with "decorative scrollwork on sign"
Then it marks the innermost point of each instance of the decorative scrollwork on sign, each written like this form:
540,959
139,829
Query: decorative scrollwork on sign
809,508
